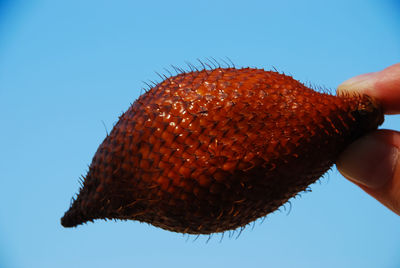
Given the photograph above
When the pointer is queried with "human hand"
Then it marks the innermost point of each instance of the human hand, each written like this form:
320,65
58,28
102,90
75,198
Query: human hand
373,161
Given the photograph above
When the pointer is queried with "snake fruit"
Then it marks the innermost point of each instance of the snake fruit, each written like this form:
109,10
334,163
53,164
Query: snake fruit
213,150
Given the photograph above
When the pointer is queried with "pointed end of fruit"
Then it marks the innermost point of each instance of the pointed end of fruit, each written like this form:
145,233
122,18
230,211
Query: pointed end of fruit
71,218
74,215
67,221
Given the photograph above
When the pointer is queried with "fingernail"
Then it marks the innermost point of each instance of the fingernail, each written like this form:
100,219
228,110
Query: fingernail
364,81
369,161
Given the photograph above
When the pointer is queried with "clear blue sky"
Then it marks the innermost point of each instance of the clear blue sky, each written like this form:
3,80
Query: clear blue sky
68,66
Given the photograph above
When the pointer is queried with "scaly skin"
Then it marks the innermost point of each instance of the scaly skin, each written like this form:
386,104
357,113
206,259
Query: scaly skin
212,150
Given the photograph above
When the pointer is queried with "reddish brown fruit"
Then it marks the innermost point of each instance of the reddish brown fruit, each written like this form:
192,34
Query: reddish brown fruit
212,150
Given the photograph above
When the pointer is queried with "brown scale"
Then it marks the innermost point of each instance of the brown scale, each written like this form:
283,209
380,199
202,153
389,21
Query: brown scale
213,150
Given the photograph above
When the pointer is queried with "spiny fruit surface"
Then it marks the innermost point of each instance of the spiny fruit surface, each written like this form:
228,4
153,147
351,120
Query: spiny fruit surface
212,150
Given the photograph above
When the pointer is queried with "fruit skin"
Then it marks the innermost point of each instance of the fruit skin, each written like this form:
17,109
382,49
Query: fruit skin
213,150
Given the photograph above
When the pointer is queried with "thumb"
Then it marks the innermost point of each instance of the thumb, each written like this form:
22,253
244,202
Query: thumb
372,162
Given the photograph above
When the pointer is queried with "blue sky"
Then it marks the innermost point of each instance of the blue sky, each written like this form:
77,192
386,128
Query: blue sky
67,67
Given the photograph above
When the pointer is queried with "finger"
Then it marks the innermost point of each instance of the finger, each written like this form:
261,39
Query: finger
373,163
383,85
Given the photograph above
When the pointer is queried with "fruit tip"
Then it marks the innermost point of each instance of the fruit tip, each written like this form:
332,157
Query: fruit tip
70,219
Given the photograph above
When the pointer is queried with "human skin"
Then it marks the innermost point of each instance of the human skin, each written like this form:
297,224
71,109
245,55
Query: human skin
373,161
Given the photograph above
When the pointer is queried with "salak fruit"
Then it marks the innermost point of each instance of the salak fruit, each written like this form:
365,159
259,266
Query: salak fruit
213,150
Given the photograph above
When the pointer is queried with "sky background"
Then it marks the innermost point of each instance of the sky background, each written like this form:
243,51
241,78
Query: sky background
67,67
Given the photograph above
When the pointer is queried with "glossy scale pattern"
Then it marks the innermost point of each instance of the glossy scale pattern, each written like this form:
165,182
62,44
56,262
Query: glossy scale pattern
213,150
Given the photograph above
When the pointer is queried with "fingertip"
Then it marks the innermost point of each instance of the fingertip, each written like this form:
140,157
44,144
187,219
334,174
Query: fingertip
369,161
373,163
383,85
358,84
